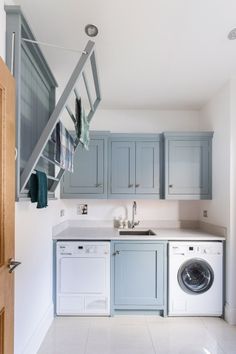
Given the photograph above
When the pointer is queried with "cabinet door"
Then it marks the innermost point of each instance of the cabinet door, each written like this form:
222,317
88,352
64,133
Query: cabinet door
188,168
88,175
147,167
139,274
122,167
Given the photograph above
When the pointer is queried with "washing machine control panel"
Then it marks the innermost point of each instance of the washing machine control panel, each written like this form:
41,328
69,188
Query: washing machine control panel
195,249
76,248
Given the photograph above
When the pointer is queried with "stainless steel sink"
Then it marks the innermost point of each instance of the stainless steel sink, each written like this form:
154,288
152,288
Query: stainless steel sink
137,233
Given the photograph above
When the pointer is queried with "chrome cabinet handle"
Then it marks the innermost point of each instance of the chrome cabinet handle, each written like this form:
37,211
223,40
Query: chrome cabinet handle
131,185
12,265
137,185
115,253
99,185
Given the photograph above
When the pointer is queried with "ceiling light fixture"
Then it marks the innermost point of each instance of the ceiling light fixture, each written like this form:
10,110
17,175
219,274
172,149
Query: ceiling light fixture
232,34
91,30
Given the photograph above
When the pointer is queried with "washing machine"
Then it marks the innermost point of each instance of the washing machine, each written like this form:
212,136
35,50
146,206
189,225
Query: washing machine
195,278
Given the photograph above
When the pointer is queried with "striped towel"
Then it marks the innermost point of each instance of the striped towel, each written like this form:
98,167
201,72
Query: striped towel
64,147
81,124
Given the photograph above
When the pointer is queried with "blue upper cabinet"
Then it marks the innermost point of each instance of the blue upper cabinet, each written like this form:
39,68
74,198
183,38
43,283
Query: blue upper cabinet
134,166
188,165
147,167
138,168
89,179
122,167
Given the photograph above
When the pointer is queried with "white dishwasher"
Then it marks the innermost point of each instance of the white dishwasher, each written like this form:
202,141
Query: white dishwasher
83,278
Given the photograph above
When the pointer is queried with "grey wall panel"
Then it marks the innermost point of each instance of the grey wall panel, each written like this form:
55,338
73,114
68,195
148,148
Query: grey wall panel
35,89
35,105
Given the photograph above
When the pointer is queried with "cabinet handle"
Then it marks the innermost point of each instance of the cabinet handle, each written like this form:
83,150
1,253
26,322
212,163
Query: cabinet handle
137,185
99,185
170,185
115,253
131,185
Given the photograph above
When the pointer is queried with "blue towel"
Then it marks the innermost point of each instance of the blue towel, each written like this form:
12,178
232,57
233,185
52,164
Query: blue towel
38,189
64,147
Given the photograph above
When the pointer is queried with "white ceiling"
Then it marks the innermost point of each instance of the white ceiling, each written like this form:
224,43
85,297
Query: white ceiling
152,54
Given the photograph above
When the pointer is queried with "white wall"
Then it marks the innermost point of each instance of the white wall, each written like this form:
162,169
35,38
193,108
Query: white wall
215,116
152,210
231,239
144,121
219,115
2,30
33,279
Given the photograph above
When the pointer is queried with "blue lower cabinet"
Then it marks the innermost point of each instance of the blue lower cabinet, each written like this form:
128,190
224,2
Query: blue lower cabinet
139,276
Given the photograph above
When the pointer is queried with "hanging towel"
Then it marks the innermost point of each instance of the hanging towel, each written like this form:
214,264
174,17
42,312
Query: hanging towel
64,147
33,188
38,189
81,124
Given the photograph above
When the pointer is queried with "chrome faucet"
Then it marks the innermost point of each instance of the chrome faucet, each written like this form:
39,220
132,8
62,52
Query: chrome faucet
134,211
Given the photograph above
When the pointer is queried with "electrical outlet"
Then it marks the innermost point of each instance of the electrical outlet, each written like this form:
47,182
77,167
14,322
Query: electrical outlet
62,212
205,213
82,209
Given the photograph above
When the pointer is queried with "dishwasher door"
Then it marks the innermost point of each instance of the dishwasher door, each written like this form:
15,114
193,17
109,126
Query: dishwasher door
83,278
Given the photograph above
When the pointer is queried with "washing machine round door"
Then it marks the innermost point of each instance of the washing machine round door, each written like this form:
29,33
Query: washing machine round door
195,276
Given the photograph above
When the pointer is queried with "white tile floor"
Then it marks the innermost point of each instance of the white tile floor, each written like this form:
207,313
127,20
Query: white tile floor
139,335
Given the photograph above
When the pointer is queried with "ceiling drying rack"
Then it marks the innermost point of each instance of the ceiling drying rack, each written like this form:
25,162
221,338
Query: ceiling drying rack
87,54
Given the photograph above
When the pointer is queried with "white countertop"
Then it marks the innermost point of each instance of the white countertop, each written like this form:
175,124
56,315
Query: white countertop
109,233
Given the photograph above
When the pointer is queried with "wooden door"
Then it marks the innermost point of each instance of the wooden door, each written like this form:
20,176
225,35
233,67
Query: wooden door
7,204
122,167
147,167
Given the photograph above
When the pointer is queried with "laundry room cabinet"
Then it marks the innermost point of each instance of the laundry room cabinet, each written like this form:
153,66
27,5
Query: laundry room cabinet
188,165
134,166
89,179
138,276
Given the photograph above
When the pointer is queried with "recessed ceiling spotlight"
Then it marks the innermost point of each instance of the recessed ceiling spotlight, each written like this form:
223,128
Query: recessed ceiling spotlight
232,34
91,30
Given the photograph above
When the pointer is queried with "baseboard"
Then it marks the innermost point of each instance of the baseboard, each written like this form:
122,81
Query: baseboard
230,314
36,339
